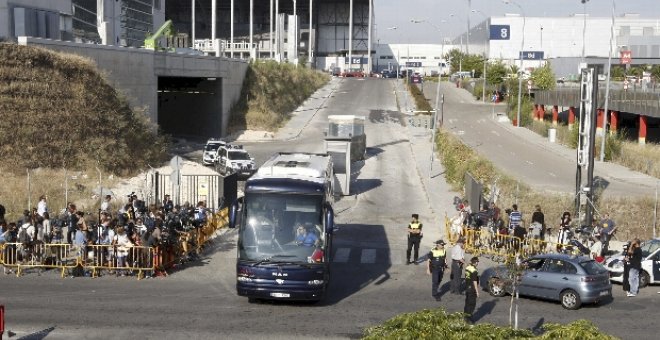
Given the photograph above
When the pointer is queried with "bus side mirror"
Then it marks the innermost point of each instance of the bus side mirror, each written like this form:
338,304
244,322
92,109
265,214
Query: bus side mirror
233,212
329,220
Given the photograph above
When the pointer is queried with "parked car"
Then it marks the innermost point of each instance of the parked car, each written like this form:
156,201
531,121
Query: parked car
388,74
460,75
650,272
416,78
571,280
234,159
210,150
353,73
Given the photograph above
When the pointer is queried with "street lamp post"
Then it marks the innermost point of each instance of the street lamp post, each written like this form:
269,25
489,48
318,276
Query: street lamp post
522,47
483,96
584,28
414,21
398,61
437,99
460,61
607,90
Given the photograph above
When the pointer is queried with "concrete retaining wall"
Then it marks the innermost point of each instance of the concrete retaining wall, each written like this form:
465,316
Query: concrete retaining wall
135,73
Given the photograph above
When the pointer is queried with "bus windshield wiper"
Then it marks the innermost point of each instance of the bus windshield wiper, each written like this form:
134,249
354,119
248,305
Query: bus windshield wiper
268,259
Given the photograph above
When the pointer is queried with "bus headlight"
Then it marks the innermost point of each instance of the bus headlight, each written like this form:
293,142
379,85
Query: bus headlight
243,279
315,282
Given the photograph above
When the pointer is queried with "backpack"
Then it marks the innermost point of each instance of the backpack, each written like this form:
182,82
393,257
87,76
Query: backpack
23,236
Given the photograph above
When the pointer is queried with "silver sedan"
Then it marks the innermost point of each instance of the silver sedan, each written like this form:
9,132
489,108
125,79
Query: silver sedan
572,280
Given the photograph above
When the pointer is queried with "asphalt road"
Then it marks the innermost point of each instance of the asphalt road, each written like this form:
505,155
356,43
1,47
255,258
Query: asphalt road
525,155
370,282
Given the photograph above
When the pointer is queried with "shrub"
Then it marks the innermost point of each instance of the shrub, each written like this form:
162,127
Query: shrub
421,103
59,112
271,92
438,324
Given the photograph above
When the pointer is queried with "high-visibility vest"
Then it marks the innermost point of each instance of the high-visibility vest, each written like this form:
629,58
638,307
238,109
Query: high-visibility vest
438,253
415,225
470,270
438,256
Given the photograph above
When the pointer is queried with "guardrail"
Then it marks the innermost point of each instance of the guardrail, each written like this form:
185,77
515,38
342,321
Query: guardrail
116,259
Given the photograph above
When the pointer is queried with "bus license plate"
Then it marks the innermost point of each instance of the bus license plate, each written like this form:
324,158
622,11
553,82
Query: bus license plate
280,295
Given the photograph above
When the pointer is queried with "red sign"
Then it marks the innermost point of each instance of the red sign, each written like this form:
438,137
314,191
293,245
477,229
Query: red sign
626,57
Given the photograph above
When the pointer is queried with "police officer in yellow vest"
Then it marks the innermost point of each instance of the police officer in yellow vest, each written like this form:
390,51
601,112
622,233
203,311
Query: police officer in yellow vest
436,267
414,237
472,288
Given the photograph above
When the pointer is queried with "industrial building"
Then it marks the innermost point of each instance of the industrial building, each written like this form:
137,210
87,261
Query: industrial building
567,43
108,22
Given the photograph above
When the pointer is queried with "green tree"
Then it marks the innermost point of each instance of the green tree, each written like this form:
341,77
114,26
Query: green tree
475,63
636,71
618,73
513,69
455,60
655,72
496,72
544,78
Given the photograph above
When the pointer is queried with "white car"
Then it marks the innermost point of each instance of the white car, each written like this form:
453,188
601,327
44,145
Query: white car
650,264
210,150
234,159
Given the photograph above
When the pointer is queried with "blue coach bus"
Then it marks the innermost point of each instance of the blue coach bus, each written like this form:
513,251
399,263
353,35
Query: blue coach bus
285,225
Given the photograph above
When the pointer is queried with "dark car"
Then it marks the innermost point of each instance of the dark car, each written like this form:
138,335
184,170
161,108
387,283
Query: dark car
388,74
416,78
572,280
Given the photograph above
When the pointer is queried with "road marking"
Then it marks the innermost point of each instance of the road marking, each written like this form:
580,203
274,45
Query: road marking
368,256
529,162
495,133
342,255
551,174
460,132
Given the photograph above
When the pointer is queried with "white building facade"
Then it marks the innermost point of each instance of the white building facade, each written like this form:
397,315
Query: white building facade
567,42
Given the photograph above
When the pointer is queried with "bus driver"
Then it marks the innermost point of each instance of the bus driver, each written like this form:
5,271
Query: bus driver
306,237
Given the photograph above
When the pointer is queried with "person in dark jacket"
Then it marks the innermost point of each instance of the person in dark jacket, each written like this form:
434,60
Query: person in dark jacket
539,217
635,259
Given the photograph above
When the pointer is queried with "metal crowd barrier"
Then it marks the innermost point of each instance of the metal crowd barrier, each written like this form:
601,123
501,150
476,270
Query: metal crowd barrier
483,242
112,258
19,256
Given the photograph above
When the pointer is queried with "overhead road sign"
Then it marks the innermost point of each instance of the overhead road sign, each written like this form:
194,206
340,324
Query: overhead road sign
531,55
413,64
357,60
500,32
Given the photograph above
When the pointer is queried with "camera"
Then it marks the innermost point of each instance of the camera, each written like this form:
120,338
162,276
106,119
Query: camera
626,246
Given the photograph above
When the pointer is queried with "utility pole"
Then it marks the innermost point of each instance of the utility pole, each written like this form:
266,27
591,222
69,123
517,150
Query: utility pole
350,36
309,42
586,139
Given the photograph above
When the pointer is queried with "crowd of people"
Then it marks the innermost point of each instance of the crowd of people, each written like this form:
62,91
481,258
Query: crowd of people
491,222
168,228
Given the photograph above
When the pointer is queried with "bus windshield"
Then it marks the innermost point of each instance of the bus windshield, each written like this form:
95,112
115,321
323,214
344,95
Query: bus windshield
281,228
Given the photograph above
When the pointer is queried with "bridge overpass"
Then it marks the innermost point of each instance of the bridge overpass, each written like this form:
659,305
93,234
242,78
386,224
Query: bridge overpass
185,94
636,111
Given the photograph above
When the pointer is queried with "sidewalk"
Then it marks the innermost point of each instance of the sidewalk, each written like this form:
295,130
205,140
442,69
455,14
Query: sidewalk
429,168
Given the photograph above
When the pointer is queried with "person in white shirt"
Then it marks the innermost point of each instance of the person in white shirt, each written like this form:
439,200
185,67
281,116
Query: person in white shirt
105,205
42,206
596,249
457,261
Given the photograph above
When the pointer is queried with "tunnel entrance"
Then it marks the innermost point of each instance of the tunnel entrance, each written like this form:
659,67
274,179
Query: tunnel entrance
190,107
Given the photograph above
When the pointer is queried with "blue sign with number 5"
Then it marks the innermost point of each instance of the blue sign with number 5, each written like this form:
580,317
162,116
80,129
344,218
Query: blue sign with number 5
500,32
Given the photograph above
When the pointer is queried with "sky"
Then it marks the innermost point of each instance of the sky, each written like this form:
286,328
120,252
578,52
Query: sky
399,13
